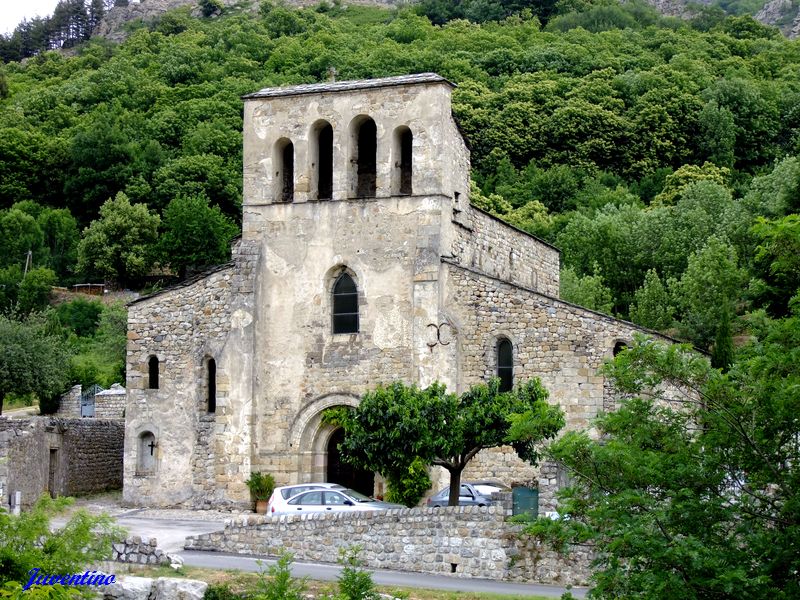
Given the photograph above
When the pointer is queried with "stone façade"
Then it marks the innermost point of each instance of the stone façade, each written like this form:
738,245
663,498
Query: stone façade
439,284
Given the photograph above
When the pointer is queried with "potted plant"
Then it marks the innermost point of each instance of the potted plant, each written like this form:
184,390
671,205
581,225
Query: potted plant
261,486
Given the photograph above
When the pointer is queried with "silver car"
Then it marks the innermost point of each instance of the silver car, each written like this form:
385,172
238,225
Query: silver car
339,500
281,495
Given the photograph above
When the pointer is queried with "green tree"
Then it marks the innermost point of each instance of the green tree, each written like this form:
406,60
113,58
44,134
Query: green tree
33,358
121,243
722,353
27,541
408,488
690,487
395,424
588,291
35,290
676,183
711,284
777,261
61,237
652,306
80,316
195,234
19,233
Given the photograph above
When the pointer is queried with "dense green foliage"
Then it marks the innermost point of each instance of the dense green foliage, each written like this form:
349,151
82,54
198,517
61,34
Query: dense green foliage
396,425
27,542
628,140
692,488
33,357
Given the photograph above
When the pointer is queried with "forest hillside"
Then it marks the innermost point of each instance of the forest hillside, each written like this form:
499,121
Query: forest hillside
660,155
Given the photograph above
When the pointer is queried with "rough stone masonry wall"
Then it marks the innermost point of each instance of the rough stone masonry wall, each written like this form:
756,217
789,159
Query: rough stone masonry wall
93,452
562,344
88,456
476,542
140,551
488,245
201,458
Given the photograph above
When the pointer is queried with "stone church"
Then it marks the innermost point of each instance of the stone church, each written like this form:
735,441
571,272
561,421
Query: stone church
361,261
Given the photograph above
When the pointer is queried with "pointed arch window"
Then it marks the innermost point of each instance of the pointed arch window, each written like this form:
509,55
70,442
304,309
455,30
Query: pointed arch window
152,372
345,305
505,364
212,385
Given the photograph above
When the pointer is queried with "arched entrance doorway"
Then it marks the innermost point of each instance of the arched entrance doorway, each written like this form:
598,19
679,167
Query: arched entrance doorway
345,474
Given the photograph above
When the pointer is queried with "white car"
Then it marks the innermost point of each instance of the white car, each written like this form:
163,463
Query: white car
333,500
280,495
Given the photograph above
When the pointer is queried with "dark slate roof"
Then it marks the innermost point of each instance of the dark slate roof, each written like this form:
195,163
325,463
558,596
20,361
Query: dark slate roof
346,86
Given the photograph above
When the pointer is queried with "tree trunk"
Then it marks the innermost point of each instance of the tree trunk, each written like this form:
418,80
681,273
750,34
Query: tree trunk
455,485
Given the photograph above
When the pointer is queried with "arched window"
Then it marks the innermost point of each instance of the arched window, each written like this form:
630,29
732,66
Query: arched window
212,385
403,141
323,165
619,347
366,135
345,305
505,364
284,170
152,372
146,453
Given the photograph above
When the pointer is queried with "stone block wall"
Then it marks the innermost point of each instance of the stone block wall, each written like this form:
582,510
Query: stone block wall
93,452
108,404
69,406
464,541
140,551
486,244
184,327
60,456
24,460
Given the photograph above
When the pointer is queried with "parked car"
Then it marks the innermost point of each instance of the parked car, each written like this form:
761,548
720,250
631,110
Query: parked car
468,495
281,495
333,500
487,487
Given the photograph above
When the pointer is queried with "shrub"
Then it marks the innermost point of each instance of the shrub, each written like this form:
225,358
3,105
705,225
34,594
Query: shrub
280,585
261,485
27,541
354,582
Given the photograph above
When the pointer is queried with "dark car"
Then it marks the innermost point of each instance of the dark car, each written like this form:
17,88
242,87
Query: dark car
468,496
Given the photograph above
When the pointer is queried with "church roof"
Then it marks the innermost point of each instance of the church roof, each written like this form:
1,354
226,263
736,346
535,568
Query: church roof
346,86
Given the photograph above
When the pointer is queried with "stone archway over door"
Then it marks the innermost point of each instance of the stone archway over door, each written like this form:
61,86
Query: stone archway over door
343,473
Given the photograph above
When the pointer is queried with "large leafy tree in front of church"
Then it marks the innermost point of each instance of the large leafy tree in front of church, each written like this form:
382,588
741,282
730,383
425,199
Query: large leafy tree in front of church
397,424
692,487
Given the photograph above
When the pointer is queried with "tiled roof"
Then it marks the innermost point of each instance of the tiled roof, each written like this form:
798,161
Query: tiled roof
346,86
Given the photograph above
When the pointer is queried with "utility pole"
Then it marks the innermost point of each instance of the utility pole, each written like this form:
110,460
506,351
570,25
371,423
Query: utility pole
28,263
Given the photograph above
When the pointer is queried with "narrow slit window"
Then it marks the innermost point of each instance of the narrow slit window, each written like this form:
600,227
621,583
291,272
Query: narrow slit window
345,305
366,161
212,385
505,365
325,163
287,168
152,372
406,143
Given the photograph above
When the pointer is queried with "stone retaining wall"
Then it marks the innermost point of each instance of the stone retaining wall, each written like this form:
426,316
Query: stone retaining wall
144,552
59,456
465,541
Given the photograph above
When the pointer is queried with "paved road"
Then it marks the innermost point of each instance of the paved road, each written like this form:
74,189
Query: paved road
170,533
326,572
